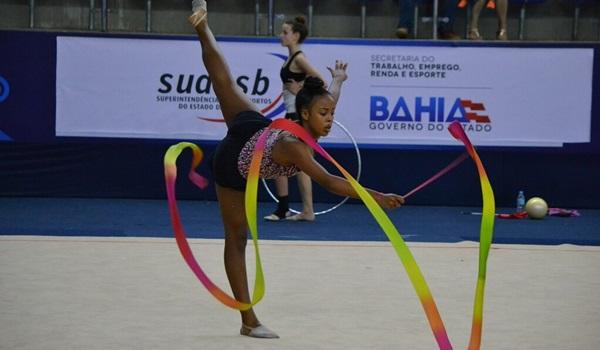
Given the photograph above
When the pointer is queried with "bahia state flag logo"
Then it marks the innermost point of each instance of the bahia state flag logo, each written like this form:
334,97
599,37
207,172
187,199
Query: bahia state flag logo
427,113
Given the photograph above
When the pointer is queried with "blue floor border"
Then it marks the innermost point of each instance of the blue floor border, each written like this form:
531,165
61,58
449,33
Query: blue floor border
351,222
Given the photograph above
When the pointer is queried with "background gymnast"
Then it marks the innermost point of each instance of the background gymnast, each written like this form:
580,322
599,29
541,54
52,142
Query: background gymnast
294,70
284,155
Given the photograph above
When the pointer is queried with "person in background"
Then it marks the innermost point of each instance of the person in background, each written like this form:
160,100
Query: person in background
501,11
293,72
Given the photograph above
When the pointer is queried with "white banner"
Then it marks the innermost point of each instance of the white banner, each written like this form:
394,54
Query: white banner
148,88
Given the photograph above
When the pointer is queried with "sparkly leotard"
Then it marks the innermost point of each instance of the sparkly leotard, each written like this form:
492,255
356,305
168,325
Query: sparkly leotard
231,159
268,168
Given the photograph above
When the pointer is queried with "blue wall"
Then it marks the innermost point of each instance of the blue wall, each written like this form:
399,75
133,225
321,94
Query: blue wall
36,163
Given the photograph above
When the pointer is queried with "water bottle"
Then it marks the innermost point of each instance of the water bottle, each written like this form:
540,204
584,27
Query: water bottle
520,202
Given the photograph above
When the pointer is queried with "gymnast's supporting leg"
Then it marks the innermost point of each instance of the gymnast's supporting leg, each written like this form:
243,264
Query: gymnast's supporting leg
231,202
233,214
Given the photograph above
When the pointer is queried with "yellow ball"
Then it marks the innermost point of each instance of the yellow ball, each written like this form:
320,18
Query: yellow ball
536,208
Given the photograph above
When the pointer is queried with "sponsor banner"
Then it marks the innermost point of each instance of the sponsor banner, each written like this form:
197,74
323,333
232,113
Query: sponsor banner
147,88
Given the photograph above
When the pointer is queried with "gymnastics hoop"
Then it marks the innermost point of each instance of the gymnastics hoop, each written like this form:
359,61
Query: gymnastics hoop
358,158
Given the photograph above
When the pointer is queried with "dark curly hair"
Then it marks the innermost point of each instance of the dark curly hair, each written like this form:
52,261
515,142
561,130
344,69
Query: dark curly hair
298,25
313,87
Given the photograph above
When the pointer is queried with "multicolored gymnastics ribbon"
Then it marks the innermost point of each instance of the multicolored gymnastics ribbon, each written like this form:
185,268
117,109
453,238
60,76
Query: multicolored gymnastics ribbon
170,161
485,234
414,273
412,269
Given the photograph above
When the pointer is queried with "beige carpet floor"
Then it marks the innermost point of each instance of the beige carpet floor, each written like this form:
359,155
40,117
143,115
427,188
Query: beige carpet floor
137,293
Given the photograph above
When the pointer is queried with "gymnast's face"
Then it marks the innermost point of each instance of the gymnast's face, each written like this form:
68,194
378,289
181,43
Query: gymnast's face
318,118
287,35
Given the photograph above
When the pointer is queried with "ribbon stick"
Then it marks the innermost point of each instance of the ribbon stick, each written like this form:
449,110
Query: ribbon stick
170,161
449,167
485,234
412,269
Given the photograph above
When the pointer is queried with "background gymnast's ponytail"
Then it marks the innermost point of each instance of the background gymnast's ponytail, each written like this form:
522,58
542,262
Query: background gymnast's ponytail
312,88
298,25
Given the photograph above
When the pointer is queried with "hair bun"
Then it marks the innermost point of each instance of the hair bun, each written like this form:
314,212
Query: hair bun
300,19
312,88
313,84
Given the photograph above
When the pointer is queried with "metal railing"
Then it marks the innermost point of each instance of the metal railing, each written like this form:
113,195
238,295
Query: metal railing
104,11
270,12
271,17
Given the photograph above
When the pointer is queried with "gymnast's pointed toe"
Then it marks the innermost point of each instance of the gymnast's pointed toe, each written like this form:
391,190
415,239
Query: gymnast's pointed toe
259,331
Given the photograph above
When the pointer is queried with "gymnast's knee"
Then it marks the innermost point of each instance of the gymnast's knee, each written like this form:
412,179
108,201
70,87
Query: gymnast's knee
236,238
